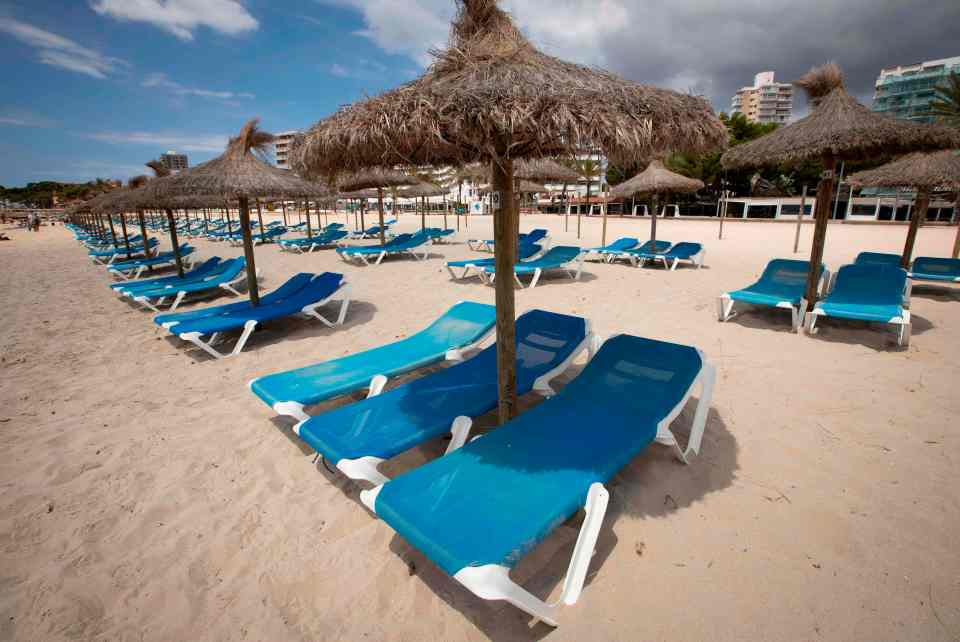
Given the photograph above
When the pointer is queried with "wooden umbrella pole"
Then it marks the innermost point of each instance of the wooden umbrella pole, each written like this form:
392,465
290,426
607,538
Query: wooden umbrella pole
603,234
822,216
505,252
956,217
444,211
363,210
126,238
383,236
306,206
654,206
566,203
172,226
919,213
283,206
259,216
423,213
206,221
229,222
143,233
113,233
254,292
803,211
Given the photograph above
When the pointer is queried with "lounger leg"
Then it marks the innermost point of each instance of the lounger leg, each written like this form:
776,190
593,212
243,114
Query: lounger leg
145,302
533,283
176,301
536,278
666,437
459,431
905,330
364,468
799,314
194,338
492,582
291,409
377,383
724,307
379,257
452,274
811,322
248,328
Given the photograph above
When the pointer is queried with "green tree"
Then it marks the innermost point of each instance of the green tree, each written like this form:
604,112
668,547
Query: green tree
946,106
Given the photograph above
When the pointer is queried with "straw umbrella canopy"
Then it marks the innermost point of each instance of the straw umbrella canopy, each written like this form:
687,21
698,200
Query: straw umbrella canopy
923,172
492,97
837,128
656,179
376,178
236,174
421,190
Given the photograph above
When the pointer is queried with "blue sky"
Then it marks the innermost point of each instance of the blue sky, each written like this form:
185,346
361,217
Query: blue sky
95,88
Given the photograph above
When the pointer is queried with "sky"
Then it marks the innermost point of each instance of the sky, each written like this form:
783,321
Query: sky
95,88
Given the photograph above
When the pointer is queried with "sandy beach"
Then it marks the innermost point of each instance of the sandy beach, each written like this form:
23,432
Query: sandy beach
148,495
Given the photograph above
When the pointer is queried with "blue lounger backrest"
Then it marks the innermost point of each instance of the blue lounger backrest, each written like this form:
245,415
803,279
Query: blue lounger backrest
624,243
526,250
653,247
536,235
869,284
877,258
786,272
937,266
684,250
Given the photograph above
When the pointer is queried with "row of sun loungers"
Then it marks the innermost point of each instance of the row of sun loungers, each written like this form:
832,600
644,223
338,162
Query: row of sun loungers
477,510
128,270
225,275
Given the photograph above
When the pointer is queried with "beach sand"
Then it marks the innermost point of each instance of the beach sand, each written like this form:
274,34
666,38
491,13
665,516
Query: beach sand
146,494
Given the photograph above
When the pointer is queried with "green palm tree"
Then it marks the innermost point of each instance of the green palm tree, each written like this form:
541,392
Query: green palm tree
946,106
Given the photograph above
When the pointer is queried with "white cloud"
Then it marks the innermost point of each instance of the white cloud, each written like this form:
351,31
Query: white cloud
359,68
197,143
161,81
23,119
339,70
182,17
57,51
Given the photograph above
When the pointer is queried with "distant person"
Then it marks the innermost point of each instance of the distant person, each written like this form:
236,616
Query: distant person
36,222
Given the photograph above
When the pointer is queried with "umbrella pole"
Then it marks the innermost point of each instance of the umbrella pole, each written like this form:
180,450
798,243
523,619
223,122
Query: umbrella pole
803,211
363,210
259,216
383,237
654,205
423,213
822,214
172,226
143,234
444,211
723,212
919,213
229,222
283,204
244,203
956,217
113,233
505,252
603,234
306,205
566,216
206,221
126,239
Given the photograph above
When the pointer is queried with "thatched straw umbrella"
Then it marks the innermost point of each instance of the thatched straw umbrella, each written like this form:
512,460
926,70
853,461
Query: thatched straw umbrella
236,174
422,190
492,97
654,180
837,128
922,172
376,178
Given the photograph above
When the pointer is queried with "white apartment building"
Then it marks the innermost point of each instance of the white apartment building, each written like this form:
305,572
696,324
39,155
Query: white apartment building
767,101
281,147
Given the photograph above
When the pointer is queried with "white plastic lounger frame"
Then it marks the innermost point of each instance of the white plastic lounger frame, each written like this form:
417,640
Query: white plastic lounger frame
903,321
229,286
492,581
696,260
377,382
310,311
134,273
798,313
365,468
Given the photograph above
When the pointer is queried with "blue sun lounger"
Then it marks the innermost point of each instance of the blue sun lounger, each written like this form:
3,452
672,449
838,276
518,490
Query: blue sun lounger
438,235
931,268
372,231
356,438
128,270
649,251
686,252
525,251
305,245
479,510
402,244
867,292
606,252
782,285
562,257
302,294
450,337
123,288
229,275
538,235
877,258
109,255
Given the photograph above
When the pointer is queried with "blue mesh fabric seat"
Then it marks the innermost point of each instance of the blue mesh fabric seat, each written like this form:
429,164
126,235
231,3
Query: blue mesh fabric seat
929,268
562,257
782,285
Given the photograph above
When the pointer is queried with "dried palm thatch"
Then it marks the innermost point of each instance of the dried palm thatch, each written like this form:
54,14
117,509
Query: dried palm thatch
936,171
376,178
236,173
656,179
840,126
421,189
545,170
492,94
360,193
